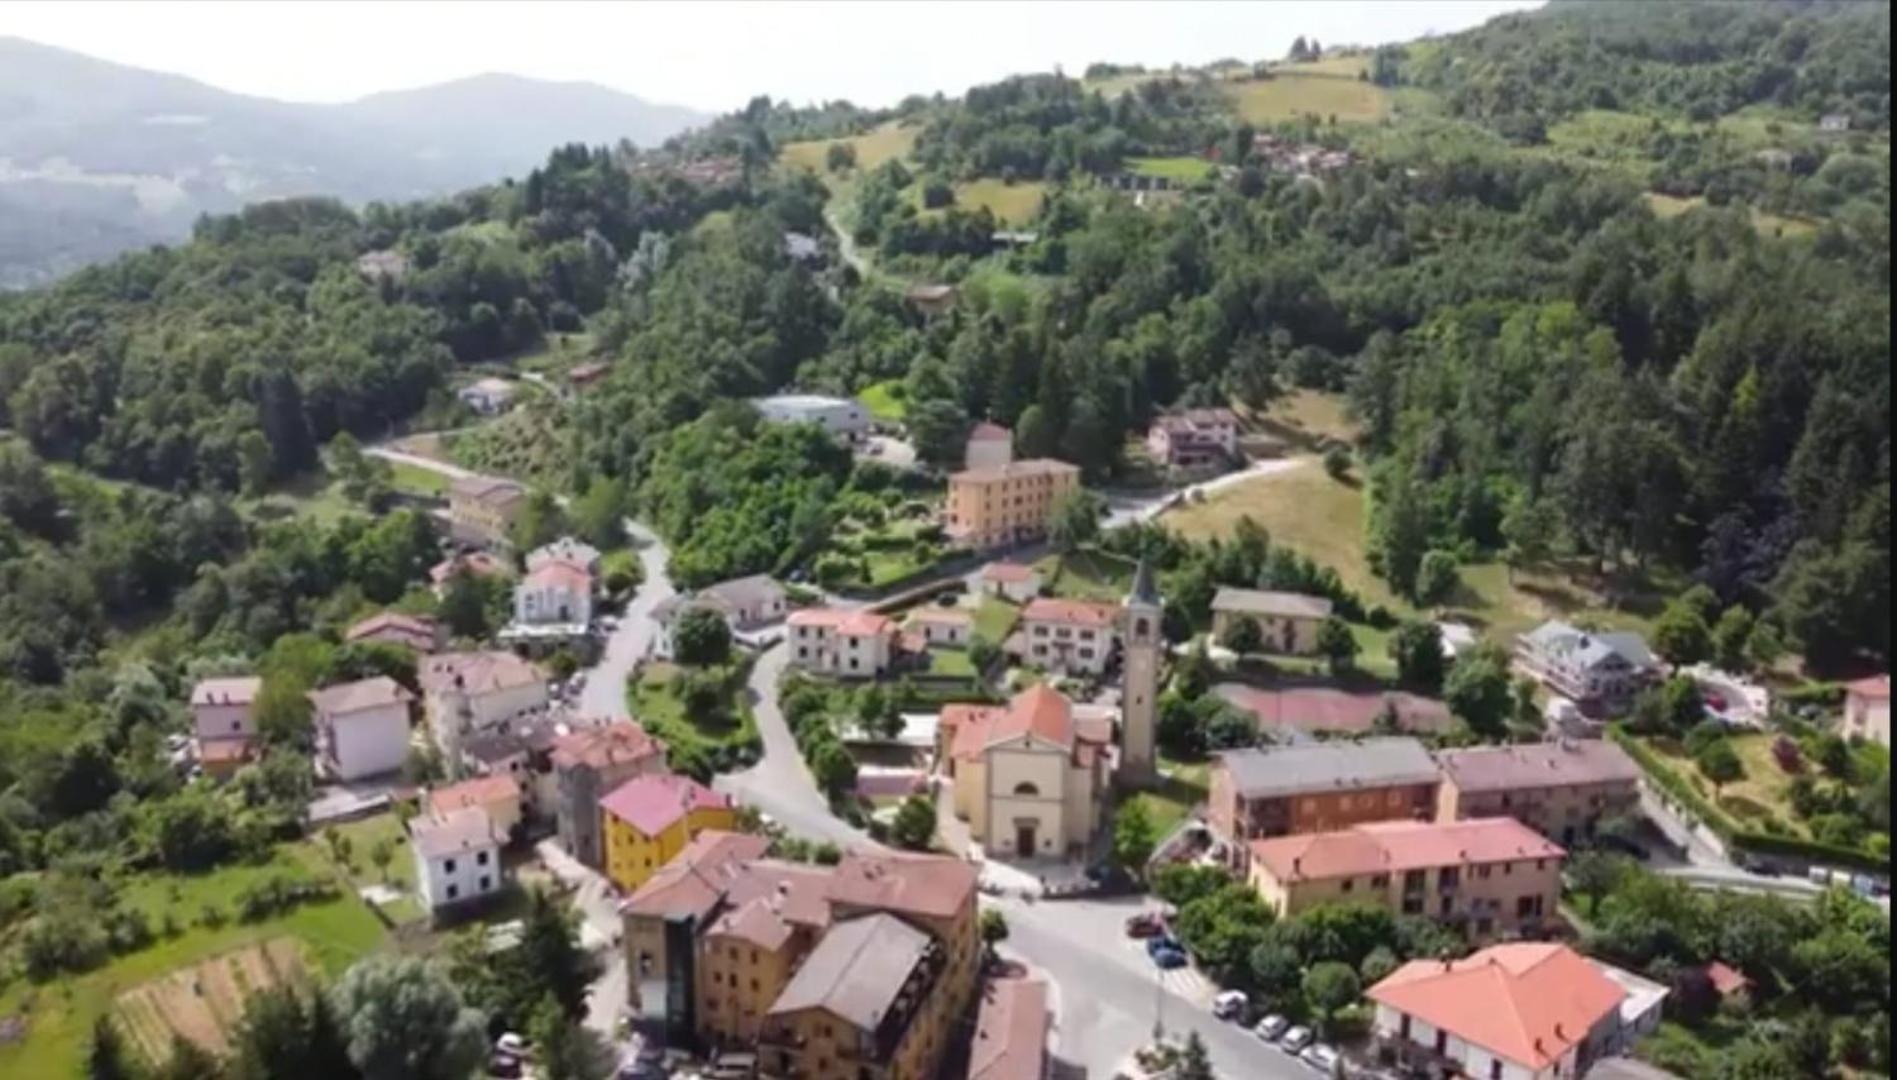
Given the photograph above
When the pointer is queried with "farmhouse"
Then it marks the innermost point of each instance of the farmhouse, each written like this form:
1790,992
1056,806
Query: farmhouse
1194,438
362,727
1288,622
1030,778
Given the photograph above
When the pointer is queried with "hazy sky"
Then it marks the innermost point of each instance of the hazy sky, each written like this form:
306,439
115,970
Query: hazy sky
709,55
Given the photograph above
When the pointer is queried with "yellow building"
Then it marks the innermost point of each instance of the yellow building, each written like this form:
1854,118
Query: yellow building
1006,504
649,819
732,951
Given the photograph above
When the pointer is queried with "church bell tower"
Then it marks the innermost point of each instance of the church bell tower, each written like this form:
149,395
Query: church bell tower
1139,691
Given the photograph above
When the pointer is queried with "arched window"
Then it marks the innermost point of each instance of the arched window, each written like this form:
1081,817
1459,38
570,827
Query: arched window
1026,787
1142,627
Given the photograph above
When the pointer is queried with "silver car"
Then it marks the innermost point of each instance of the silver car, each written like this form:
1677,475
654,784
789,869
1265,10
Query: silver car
1320,1057
1271,1027
1296,1039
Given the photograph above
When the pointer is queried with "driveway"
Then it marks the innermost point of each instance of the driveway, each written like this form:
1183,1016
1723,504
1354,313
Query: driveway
605,691
451,471
1125,508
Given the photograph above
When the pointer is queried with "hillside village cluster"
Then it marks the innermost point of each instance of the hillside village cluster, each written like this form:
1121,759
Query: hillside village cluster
874,965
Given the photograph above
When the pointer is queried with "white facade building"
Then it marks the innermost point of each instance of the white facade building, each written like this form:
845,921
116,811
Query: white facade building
840,417
457,858
1074,637
849,644
477,692
362,727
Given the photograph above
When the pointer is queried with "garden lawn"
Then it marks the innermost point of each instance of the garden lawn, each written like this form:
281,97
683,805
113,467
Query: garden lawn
60,1019
1087,575
1292,94
884,400
1183,786
951,663
417,480
1761,795
995,619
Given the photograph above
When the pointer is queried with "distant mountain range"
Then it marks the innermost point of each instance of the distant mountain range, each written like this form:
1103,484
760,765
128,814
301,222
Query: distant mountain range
96,157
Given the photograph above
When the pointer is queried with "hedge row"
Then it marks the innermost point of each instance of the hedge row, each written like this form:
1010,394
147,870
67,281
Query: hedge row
1678,788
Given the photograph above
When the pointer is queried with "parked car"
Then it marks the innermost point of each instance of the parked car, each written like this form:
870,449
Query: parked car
1296,1039
1230,1005
1271,1027
1163,941
511,1043
1145,925
1320,1057
1168,959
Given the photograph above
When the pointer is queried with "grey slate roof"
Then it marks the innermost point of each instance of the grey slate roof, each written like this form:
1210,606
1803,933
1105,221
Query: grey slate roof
1538,765
856,971
1589,650
1329,766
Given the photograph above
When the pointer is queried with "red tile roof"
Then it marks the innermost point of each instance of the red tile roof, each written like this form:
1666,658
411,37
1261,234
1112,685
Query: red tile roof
1010,1031
618,743
1567,763
988,431
1076,612
1876,688
414,631
481,791
1039,711
1015,469
931,886
1396,846
559,573
1529,1003
697,877
1726,980
1013,573
479,672
652,804
857,622
477,563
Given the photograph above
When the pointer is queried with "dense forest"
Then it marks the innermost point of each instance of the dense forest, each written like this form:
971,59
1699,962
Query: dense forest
1697,60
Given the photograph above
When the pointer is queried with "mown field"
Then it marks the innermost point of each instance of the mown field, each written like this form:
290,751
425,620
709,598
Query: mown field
1293,94
1774,225
1306,510
1172,168
891,140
